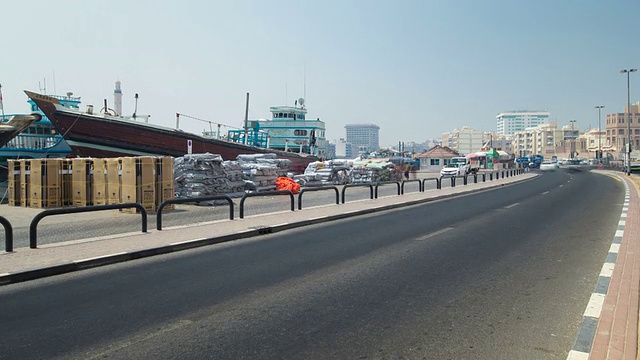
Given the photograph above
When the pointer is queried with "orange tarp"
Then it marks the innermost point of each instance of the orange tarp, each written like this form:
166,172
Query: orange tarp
285,183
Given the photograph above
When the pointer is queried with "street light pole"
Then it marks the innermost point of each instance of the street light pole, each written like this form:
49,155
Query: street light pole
599,107
628,72
573,141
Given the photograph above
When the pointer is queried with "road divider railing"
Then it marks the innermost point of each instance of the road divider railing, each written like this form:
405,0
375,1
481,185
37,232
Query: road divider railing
8,234
437,180
320,188
33,227
383,183
420,188
266,193
345,187
191,200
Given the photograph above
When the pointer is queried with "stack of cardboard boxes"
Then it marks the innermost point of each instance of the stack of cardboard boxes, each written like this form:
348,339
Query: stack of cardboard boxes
52,183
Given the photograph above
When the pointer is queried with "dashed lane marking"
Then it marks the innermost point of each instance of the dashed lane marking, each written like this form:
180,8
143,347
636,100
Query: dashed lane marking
510,206
545,193
435,233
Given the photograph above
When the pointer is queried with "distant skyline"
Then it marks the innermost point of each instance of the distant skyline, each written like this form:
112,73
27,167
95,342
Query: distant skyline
414,68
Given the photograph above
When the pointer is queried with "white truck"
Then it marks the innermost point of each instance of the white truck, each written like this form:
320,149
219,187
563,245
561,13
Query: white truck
460,166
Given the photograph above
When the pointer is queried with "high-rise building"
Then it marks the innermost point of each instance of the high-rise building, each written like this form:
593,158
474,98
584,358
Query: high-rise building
363,137
510,122
616,126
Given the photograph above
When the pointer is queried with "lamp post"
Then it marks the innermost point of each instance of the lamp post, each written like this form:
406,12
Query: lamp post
599,107
573,142
628,72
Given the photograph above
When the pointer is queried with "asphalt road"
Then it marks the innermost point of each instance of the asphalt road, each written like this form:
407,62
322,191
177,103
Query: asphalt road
503,274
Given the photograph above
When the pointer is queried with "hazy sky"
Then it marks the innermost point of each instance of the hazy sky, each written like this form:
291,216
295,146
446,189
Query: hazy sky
415,68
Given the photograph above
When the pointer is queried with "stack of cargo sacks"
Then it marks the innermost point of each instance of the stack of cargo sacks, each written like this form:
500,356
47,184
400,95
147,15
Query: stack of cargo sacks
260,170
199,175
235,177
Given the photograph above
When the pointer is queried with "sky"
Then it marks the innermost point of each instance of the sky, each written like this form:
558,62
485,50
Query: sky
414,68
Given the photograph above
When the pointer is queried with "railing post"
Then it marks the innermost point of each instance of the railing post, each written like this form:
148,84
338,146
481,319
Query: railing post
8,234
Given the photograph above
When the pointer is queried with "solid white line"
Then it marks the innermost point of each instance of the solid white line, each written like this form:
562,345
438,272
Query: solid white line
318,218
545,193
5,274
577,355
100,257
512,205
619,233
607,269
283,224
615,248
186,241
435,233
594,308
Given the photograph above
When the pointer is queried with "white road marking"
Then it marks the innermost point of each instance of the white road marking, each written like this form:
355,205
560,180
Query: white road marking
577,355
545,193
5,274
100,257
186,241
561,185
615,248
512,205
607,269
435,233
594,308
283,224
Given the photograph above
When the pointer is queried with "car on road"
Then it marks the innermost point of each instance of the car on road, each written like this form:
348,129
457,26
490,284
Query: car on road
549,166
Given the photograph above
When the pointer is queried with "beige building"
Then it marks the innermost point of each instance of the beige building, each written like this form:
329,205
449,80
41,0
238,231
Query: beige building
548,140
616,127
497,141
464,141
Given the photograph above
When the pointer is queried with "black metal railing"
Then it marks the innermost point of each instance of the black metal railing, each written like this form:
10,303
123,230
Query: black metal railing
8,234
302,191
190,200
266,193
33,237
438,182
344,188
382,183
420,188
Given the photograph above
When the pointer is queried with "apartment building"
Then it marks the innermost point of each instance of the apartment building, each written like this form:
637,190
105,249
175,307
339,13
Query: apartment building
363,138
549,140
464,141
616,130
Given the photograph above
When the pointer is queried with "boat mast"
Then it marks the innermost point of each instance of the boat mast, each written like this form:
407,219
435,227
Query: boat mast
246,120
1,103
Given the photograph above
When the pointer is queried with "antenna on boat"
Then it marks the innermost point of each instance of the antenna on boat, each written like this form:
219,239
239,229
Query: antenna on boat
135,109
246,120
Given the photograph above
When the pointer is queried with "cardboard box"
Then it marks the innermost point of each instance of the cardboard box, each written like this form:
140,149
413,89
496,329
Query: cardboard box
137,182
45,187
81,181
67,182
25,177
13,182
113,180
165,189
99,180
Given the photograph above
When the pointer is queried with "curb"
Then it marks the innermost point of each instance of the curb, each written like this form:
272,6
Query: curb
78,265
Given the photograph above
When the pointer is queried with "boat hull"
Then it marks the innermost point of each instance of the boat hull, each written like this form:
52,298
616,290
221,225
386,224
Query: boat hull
102,136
